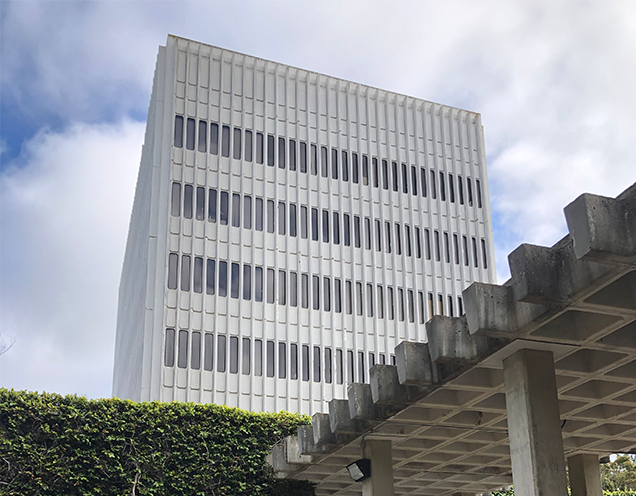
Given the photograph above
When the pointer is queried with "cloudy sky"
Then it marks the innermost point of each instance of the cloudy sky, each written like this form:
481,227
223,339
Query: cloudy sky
554,83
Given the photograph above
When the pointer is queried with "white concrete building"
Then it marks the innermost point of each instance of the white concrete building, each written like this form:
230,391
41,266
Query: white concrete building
289,229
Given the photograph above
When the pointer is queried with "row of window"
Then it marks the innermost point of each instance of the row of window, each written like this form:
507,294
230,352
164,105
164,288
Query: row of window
243,282
335,163
287,216
279,361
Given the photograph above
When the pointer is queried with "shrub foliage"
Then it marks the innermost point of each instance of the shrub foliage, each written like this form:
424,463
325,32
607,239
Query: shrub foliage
53,445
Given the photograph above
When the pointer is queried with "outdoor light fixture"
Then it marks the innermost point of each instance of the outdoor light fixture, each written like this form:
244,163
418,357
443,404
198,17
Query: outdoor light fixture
360,470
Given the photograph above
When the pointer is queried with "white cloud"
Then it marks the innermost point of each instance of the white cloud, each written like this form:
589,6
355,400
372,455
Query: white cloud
64,208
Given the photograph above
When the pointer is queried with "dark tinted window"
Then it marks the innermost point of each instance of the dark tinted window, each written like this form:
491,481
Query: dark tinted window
212,205
168,357
248,146
190,130
303,156
203,136
214,138
225,142
178,134
236,148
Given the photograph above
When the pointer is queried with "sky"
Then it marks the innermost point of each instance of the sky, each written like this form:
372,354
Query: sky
554,83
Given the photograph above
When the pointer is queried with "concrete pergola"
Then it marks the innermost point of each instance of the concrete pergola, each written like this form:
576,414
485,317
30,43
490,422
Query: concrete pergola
540,372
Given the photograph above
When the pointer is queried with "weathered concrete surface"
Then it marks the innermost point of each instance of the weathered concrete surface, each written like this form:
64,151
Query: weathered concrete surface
381,481
585,475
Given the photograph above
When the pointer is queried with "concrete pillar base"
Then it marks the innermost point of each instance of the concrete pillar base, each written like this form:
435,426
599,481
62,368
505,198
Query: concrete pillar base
381,481
585,475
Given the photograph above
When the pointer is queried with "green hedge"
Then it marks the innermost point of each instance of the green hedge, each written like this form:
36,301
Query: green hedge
68,445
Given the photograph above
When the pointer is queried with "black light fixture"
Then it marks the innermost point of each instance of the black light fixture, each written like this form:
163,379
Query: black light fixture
360,470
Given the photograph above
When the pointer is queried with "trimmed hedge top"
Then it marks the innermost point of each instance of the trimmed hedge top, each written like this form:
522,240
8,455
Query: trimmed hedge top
68,445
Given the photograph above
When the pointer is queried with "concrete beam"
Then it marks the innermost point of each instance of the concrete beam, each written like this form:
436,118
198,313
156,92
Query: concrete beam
414,364
362,407
306,444
292,452
534,425
386,388
381,481
604,229
585,475
340,419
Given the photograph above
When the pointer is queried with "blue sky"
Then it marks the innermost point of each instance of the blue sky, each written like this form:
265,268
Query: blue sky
554,82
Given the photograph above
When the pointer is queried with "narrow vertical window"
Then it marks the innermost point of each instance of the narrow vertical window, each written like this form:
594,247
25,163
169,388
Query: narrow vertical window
247,212
442,187
456,248
365,170
200,206
281,152
182,360
222,278
346,227
225,141
305,364
236,149
178,132
203,136
382,358
292,155
271,295
188,200
430,306
314,224
349,297
258,284
259,148
387,230
438,254
258,357
414,180
245,356
214,138
433,187
390,303
475,258
303,157
212,200
324,166
328,366
236,210
418,243
271,219
248,145
339,367
451,188
345,165
234,281
293,289
270,150
325,226
478,192
317,367
175,204
354,168
407,239
380,302
398,239
376,173
247,282
168,357
197,280
371,360
395,176
405,179
378,235
337,295
460,189
361,369
483,253
304,290
351,367
356,231
440,304
315,292
293,224
282,360
258,217
469,190
369,300
423,181
210,277
270,359
401,304
336,228
326,294
314,160
450,306
208,355
334,163
359,301
385,174
427,243
420,296
282,219
411,304
224,208
446,248
195,351
185,272
190,134
303,222
221,353
367,233
293,361
282,287
465,246
460,306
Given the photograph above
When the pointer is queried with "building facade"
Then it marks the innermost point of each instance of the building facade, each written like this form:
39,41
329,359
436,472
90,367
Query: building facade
289,229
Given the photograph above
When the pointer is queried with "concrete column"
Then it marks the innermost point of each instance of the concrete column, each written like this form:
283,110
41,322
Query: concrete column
381,481
585,475
534,425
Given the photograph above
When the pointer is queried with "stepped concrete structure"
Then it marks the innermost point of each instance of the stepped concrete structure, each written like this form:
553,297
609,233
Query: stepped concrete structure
538,374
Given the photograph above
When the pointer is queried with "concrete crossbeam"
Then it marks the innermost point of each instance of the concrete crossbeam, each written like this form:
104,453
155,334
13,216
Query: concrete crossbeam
585,475
341,421
386,388
306,444
414,364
